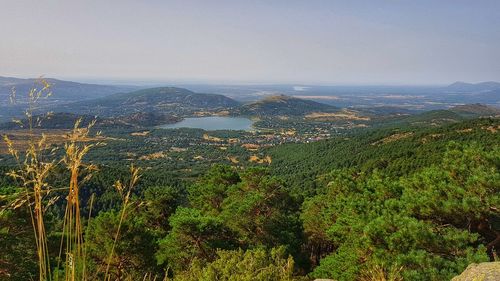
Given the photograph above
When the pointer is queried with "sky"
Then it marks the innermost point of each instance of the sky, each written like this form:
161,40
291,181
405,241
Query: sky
310,41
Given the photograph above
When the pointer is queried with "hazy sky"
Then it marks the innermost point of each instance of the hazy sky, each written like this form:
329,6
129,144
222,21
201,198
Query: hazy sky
334,42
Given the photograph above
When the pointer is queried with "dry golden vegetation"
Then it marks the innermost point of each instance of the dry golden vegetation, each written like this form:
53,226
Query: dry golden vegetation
342,115
140,134
393,137
210,138
154,156
34,152
250,146
233,159
53,138
492,129
260,160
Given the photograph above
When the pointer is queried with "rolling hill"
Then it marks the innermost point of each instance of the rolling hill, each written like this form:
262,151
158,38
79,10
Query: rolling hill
438,117
398,149
471,87
282,105
484,92
476,110
165,100
63,91
67,121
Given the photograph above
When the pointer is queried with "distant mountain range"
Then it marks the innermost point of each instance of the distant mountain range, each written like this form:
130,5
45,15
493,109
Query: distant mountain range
142,106
182,102
470,87
63,91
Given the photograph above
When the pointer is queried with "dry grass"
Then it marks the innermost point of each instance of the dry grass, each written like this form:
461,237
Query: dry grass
210,138
75,149
31,175
381,273
140,134
492,129
21,138
250,146
233,159
154,156
263,160
393,138
53,137
125,191
34,153
342,115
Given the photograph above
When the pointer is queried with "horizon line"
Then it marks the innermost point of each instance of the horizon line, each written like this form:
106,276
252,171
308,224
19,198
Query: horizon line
229,82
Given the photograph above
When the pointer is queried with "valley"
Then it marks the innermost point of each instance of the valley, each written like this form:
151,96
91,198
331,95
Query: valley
180,128
258,176
250,140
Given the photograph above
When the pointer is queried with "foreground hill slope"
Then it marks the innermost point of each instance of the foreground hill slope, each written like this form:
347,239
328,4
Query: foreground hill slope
398,151
419,203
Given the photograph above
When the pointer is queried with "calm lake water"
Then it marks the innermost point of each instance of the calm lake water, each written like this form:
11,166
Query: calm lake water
213,123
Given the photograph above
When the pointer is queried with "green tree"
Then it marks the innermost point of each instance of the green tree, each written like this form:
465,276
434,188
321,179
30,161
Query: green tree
257,264
133,254
261,211
209,193
17,245
464,191
193,235
425,224
159,203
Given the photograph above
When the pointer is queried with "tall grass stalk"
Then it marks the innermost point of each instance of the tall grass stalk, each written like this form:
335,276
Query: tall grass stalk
33,168
125,192
381,273
32,172
84,271
76,148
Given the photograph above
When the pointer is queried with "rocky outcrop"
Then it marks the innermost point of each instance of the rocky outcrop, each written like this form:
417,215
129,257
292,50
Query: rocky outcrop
486,271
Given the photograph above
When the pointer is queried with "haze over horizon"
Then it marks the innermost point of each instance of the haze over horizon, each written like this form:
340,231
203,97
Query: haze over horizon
325,42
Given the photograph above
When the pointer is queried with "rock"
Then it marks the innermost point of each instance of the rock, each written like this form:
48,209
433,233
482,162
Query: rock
486,271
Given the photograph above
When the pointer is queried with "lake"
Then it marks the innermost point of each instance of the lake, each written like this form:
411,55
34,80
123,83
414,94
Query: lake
213,123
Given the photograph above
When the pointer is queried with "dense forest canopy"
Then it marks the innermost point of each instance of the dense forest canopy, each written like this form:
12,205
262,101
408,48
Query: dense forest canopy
410,203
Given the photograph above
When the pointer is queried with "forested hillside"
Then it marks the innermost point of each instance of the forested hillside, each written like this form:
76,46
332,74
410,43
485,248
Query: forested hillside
282,105
409,204
398,151
165,100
